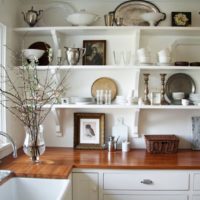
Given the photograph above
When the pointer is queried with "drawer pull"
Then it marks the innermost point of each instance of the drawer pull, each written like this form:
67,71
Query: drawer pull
147,182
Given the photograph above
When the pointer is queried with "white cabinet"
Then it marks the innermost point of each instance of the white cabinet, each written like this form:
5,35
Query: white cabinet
85,186
146,197
105,184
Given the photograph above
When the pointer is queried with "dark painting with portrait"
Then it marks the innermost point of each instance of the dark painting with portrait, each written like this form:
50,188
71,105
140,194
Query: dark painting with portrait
95,52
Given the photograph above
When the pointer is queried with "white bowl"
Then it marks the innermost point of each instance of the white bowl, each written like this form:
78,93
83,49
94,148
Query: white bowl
178,95
144,59
152,17
82,18
164,59
32,54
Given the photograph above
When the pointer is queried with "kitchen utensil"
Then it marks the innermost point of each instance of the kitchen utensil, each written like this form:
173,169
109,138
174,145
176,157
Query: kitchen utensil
180,82
31,17
131,12
59,10
44,60
109,19
104,83
73,55
112,144
82,18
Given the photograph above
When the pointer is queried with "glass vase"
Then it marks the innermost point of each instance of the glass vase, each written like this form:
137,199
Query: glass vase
34,144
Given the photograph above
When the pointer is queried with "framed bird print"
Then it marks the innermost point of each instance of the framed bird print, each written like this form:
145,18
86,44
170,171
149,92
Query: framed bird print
89,130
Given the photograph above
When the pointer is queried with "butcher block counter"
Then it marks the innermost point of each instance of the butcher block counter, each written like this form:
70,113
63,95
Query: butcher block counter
59,162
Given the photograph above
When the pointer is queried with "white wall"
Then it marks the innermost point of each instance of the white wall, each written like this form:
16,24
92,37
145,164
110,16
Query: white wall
9,16
151,122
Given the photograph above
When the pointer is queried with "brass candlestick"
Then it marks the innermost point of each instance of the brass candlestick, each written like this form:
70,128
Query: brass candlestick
146,90
163,101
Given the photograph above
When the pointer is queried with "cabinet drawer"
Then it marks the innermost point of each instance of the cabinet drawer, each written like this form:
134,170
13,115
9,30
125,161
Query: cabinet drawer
146,197
146,181
196,183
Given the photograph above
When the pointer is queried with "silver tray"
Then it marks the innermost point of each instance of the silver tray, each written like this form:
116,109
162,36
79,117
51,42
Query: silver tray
131,11
180,82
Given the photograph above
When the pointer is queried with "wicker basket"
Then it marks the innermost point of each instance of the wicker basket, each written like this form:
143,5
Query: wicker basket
161,143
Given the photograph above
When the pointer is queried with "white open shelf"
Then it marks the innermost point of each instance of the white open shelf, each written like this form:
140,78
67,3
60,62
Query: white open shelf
116,67
114,30
126,106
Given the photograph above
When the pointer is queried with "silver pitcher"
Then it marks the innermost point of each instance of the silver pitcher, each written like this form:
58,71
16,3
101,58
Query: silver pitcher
31,17
73,55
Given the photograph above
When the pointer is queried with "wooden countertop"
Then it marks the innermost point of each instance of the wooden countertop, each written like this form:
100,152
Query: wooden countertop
58,162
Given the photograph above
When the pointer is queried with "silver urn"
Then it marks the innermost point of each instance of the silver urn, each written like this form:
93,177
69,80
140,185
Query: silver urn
73,55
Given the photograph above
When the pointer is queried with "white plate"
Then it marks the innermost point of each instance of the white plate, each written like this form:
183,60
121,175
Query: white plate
181,47
55,14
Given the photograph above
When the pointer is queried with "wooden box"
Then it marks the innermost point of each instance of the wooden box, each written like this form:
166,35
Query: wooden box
161,143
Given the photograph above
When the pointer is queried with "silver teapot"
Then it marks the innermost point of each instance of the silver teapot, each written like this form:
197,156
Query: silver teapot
73,55
31,17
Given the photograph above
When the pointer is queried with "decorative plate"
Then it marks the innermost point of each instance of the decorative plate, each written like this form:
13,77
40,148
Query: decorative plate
104,83
55,14
43,46
131,12
180,82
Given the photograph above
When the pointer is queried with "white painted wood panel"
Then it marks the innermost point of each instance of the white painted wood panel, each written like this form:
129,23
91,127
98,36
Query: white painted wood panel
133,181
146,197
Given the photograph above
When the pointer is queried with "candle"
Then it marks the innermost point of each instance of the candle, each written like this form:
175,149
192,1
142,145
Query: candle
59,53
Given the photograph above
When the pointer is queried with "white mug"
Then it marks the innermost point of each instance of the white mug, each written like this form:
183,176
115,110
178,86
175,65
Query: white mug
185,102
125,146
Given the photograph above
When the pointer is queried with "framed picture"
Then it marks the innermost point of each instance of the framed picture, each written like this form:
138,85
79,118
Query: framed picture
95,52
181,18
155,98
89,130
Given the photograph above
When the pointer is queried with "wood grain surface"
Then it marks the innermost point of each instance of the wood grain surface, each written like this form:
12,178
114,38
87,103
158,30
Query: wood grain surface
58,162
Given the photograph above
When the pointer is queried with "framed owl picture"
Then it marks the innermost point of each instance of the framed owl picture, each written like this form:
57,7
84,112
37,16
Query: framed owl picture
89,130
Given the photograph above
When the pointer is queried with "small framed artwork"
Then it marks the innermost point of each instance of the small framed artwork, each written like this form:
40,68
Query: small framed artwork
89,130
95,52
181,18
155,98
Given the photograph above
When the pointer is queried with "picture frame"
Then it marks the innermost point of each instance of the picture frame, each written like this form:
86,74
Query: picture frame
181,18
95,52
155,98
89,130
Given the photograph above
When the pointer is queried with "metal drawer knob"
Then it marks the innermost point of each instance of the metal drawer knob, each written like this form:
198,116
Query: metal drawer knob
147,181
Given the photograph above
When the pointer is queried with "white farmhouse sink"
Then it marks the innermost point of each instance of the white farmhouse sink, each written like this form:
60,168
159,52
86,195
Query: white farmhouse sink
34,189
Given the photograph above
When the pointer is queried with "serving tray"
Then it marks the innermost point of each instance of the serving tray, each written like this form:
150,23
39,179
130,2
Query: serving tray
131,12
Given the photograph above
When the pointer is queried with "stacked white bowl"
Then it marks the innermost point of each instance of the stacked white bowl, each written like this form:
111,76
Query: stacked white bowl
120,100
195,98
178,95
144,56
164,56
